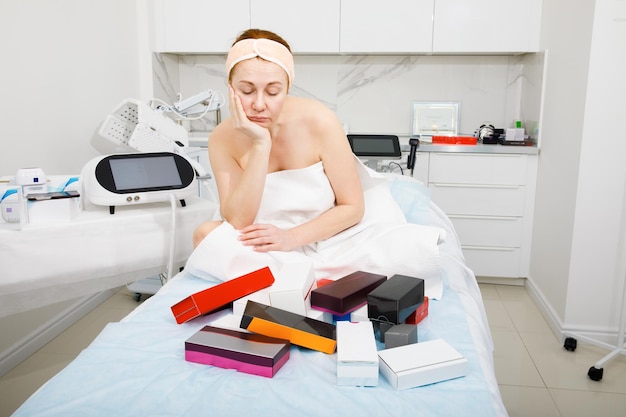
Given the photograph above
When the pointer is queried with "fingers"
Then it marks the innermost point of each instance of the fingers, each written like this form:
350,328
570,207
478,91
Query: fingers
262,238
236,108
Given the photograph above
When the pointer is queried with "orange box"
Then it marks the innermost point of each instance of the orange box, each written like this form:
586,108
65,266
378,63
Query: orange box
454,140
214,298
282,324
419,314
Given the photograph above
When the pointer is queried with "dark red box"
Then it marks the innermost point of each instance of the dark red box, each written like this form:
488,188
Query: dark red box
346,294
246,352
214,298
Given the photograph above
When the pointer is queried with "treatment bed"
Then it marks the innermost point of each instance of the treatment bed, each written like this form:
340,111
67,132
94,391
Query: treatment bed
137,367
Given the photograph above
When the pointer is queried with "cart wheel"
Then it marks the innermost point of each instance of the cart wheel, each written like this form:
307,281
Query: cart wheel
137,297
570,344
595,373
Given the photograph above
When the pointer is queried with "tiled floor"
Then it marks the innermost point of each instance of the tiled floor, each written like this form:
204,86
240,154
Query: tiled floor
537,376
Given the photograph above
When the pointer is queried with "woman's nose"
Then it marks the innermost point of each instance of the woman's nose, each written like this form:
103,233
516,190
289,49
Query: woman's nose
258,104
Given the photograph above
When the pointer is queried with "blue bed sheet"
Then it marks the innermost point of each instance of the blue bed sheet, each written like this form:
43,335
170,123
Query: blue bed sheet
137,368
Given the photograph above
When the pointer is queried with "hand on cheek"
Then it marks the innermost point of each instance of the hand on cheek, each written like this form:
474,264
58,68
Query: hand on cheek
241,121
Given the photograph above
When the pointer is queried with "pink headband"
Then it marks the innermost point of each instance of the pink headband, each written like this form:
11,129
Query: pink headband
267,49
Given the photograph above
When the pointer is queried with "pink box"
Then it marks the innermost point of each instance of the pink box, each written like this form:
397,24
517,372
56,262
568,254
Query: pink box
245,352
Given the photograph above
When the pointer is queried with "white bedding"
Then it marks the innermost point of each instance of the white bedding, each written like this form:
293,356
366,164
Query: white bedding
387,243
137,367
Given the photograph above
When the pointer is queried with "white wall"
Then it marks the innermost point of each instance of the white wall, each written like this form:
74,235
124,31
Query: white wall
565,80
581,171
596,269
65,65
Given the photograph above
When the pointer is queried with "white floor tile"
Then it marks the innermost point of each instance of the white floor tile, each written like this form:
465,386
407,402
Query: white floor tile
562,369
589,403
498,317
18,384
513,364
528,402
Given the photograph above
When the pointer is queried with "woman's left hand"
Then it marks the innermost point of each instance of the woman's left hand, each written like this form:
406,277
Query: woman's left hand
265,238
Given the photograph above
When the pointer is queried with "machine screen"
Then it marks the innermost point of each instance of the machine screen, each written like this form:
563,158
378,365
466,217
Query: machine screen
145,173
382,146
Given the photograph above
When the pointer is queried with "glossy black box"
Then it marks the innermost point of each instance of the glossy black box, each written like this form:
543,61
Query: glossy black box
395,299
346,294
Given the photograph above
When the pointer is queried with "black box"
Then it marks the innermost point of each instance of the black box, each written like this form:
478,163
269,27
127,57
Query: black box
395,299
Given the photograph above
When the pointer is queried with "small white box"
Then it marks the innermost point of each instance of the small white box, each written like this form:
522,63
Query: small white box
226,320
320,315
515,134
360,314
292,289
53,211
421,363
357,357
261,296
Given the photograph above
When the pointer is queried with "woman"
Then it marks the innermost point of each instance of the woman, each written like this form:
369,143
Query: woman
290,188
269,131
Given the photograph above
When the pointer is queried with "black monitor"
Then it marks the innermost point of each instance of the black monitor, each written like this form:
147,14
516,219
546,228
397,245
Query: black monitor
373,148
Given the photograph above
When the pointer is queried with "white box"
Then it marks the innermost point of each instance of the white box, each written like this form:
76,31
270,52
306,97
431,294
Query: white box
360,314
261,296
357,357
53,211
421,363
515,134
320,315
292,289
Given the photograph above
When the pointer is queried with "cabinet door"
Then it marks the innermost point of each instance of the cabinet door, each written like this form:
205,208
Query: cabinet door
199,26
308,26
393,26
502,26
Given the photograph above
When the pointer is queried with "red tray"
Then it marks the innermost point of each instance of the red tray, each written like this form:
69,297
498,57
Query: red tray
454,140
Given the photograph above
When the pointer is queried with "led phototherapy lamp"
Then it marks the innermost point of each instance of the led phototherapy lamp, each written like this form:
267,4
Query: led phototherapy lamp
145,160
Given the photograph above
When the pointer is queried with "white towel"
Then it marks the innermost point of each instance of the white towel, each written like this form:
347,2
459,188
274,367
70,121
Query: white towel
383,242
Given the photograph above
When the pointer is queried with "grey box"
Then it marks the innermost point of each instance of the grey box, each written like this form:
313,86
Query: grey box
400,335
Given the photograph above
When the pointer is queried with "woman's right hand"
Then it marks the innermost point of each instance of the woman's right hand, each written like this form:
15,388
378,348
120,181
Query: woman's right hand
241,121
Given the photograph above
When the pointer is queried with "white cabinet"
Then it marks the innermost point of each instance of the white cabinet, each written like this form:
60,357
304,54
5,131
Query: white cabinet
198,26
308,26
352,26
393,26
486,26
489,198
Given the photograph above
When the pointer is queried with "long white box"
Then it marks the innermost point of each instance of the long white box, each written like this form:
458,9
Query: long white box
421,363
292,289
262,296
357,357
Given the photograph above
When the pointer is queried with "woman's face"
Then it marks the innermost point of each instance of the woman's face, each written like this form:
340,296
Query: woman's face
262,88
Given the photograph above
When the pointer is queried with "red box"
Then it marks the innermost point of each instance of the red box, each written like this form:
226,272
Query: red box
454,140
419,314
213,298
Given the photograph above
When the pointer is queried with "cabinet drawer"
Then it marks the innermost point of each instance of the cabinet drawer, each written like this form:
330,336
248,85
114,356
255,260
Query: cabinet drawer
489,231
473,168
479,200
493,262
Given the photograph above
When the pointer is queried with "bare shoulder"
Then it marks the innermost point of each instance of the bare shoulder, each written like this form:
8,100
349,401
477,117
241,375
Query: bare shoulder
318,118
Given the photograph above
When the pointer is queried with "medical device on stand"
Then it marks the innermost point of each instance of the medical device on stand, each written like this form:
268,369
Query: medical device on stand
160,174
372,149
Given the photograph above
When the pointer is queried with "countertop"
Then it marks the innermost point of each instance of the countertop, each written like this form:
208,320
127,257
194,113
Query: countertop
479,148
